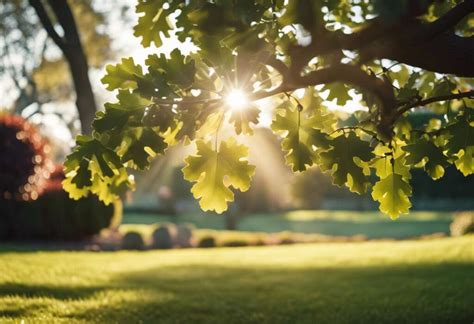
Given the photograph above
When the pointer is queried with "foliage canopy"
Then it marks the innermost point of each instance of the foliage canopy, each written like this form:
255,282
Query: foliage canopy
397,55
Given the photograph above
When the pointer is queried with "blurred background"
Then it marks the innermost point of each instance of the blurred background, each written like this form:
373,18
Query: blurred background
50,89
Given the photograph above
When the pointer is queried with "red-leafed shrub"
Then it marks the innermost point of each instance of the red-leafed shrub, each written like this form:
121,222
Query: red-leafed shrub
24,162
54,216
33,204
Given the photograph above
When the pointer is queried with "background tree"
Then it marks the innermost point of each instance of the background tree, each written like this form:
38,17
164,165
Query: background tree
396,56
42,74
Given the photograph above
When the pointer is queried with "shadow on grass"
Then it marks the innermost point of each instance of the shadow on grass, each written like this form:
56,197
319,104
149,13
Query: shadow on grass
421,293
49,291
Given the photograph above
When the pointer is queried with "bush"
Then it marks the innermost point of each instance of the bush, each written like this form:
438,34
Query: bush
235,243
33,204
162,237
184,235
133,241
462,224
207,242
53,215
287,240
24,164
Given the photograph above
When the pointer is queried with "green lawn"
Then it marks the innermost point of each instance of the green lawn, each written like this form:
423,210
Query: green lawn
342,223
429,281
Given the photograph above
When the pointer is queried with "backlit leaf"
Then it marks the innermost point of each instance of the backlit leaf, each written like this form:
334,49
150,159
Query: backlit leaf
431,157
242,118
302,134
122,75
215,172
154,20
345,159
393,194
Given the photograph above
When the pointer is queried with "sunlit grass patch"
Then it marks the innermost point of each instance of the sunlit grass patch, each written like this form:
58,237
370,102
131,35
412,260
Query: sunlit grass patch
404,281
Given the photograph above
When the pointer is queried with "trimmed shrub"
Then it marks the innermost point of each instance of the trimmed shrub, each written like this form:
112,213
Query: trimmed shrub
184,235
162,237
207,242
462,224
54,216
235,243
33,204
287,240
133,241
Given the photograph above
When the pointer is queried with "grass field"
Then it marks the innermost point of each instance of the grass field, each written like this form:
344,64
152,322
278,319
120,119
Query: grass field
428,281
342,223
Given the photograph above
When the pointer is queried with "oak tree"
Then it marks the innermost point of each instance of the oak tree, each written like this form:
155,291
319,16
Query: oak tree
398,56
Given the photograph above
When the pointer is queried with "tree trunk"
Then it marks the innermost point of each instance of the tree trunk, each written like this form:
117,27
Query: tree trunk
85,102
70,45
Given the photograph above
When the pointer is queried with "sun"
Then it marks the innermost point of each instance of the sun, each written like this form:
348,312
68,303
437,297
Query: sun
236,99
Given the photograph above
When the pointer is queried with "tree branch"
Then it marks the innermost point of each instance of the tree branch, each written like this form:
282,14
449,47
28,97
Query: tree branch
448,21
446,53
46,22
467,94
66,20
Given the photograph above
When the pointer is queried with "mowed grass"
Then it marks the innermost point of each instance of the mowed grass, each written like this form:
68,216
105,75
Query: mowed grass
372,224
429,281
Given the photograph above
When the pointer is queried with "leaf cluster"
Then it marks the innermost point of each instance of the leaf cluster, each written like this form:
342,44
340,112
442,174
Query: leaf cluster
258,47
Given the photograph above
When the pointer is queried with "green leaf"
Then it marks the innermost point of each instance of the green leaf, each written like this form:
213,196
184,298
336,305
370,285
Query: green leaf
141,142
337,91
123,75
408,91
110,189
214,172
156,116
302,134
92,167
392,193
425,153
83,175
129,108
465,161
241,118
384,165
443,88
176,69
345,158
155,20
459,135
72,189
460,141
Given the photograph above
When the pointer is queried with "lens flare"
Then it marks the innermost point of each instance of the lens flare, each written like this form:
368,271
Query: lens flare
237,99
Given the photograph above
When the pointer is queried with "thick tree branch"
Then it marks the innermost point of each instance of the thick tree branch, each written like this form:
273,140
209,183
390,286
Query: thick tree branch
47,23
446,53
448,21
431,46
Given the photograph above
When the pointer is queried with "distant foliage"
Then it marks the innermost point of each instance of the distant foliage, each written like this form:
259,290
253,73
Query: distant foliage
184,235
24,163
163,237
133,241
207,242
462,224
235,243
